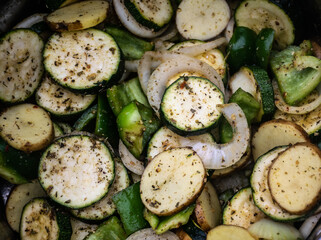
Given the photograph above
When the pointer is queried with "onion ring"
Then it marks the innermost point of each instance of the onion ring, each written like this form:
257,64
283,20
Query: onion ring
284,107
129,161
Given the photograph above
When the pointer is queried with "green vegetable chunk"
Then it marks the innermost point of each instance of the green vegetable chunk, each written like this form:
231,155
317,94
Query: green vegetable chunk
121,95
297,72
250,107
130,208
264,44
111,230
105,121
241,48
136,124
175,220
132,47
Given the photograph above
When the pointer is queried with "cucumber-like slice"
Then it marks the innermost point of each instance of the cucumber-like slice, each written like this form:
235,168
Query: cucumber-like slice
297,195
255,81
131,24
192,18
172,181
40,221
153,14
241,210
83,61
259,14
78,16
18,198
106,207
84,173
26,127
60,101
261,192
21,66
268,229
189,105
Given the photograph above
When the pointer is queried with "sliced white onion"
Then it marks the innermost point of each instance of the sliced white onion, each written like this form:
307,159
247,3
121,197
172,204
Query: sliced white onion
31,20
170,32
149,234
149,61
225,155
129,161
198,49
309,224
131,24
284,107
229,30
181,63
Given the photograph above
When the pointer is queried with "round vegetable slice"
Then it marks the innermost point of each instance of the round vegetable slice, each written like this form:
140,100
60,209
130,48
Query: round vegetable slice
261,192
76,170
189,105
26,127
60,101
193,18
78,16
258,14
294,178
83,61
229,232
21,66
172,180
275,133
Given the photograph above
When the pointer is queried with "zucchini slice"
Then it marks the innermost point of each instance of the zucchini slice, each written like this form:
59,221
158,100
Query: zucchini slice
268,229
261,192
21,66
241,210
132,24
83,61
228,232
60,101
255,81
78,16
164,139
259,14
18,198
106,207
192,18
40,221
189,105
294,178
276,133
153,14
26,127
76,170
171,181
